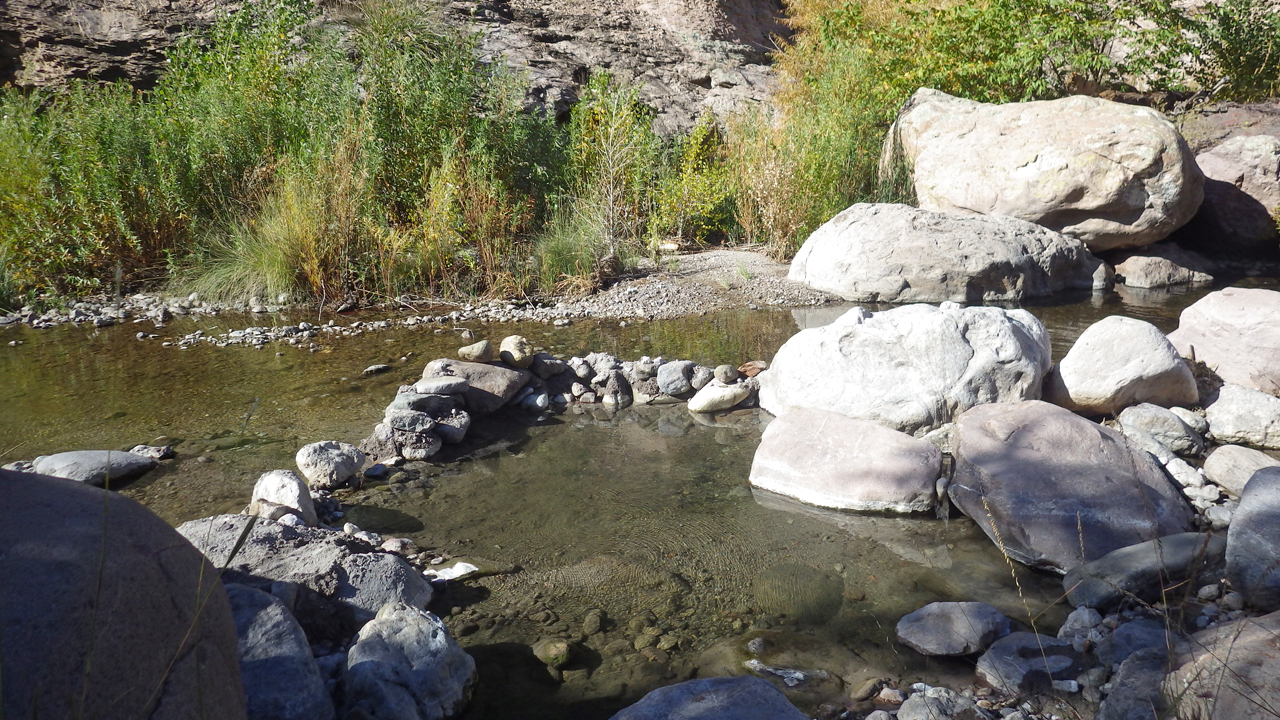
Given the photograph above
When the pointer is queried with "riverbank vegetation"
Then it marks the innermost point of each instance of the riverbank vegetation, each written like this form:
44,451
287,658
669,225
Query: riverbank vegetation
280,156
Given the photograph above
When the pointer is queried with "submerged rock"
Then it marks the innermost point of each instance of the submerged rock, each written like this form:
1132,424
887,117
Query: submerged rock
99,468
720,698
829,460
912,368
952,628
898,253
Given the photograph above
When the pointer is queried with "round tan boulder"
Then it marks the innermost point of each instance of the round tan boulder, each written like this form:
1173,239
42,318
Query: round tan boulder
1112,175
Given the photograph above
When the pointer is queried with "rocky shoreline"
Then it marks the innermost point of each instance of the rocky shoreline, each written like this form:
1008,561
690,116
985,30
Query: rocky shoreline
1157,589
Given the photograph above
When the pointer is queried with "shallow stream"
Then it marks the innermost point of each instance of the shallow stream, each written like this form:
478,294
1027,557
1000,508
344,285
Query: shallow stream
646,515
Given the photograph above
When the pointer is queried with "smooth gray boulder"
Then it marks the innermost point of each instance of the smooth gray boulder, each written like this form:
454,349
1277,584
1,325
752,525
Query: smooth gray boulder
939,702
898,253
912,368
1236,332
405,665
99,468
491,385
1135,688
1023,663
1163,425
329,464
717,698
1230,467
283,488
1117,362
1253,542
1112,175
1241,415
1055,490
1145,570
281,680
674,377
952,628
1230,672
829,460
368,581
80,563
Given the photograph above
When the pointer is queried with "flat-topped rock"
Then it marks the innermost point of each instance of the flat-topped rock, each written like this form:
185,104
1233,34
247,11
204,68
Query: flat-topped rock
952,628
1236,332
491,386
833,461
898,253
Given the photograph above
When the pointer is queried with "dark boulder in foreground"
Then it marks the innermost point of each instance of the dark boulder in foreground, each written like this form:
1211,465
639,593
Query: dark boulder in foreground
1054,490
88,571
721,698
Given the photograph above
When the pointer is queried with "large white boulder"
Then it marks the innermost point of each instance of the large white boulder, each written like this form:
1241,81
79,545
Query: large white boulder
1117,362
832,461
1112,175
912,368
1236,332
282,489
897,253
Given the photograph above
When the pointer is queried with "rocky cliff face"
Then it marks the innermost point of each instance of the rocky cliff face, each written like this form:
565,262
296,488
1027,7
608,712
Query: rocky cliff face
49,42
687,55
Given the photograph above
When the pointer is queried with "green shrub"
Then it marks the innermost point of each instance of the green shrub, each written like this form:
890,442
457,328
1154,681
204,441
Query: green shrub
694,197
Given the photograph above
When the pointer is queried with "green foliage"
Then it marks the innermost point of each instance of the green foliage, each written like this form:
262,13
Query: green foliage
694,195
1232,45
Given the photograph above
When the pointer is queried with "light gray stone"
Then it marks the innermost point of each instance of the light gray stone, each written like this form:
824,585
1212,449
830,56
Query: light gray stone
952,628
1023,663
368,581
281,680
717,698
1253,542
99,468
1117,362
546,367
329,464
1236,332
442,386
516,351
409,421
1231,466
479,352
283,487
1164,426
701,376
491,385
716,396
1057,489
1242,415
1164,265
912,368
829,460
1112,175
1194,420
405,665
897,253
674,377
939,702
1146,570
